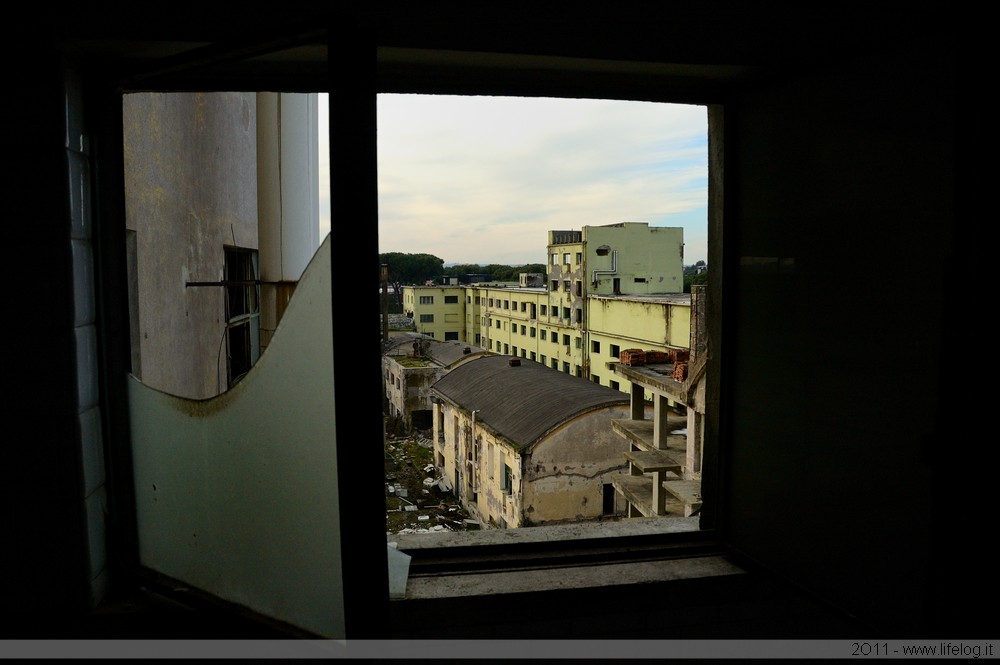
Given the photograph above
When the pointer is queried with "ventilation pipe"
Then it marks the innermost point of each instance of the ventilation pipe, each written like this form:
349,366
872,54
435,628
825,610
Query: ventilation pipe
614,264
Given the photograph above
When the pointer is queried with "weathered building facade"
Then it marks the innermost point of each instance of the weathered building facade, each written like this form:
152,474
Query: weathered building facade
525,446
221,219
607,288
411,364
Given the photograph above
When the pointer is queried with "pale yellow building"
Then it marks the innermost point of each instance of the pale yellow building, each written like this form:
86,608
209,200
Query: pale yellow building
616,323
608,288
437,311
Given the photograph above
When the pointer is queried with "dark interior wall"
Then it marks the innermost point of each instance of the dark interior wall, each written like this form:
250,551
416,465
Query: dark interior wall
43,539
843,190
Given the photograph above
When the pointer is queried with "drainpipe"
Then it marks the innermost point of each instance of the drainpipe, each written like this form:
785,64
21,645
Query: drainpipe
474,471
613,271
475,459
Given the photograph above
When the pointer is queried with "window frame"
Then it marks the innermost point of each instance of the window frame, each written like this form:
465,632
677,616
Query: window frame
708,534
352,72
242,319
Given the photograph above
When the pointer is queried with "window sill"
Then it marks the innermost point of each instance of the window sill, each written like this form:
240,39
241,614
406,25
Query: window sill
554,578
492,562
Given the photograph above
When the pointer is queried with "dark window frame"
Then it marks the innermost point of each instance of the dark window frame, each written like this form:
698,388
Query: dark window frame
354,194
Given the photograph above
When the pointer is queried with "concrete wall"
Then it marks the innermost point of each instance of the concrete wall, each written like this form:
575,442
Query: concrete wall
237,496
494,506
191,190
653,254
287,197
565,473
640,324
559,480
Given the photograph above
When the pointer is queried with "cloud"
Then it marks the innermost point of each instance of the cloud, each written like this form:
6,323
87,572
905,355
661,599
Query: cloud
483,179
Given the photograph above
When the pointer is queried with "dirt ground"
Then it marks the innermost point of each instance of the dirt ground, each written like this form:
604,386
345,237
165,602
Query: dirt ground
411,505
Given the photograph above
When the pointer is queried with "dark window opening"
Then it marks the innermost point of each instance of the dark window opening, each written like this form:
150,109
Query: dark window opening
242,312
608,497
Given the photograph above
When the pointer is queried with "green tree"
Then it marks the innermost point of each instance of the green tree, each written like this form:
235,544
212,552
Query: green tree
695,274
464,269
496,271
409,269
513,273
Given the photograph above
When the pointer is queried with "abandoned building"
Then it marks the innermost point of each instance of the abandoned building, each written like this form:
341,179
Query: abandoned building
411,364
525,445
609,287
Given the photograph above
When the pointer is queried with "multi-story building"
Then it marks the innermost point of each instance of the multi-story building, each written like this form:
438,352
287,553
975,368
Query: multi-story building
608,288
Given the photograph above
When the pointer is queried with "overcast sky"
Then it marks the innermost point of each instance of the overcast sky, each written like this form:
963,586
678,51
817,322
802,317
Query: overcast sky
483,179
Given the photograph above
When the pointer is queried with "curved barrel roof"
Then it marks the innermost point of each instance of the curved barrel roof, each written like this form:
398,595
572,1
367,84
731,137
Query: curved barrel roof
524,401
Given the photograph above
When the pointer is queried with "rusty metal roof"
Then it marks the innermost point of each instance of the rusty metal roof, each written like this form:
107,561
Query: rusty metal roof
450,352
445,353
522,403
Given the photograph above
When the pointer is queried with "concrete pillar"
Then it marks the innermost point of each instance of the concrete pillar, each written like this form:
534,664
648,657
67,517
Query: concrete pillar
287,197
638,402
659,493
695,436
661,413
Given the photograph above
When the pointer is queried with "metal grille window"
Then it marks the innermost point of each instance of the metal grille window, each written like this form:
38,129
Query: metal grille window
242,312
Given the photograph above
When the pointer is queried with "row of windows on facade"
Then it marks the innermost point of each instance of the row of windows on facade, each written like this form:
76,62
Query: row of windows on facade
566,255
567,313
429,300
509,304
506,480
530,332
503,304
